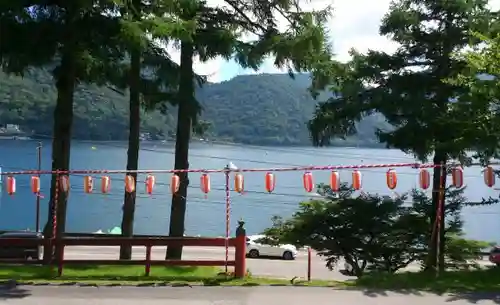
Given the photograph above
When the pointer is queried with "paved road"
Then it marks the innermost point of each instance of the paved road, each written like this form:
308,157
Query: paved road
258,267
227,296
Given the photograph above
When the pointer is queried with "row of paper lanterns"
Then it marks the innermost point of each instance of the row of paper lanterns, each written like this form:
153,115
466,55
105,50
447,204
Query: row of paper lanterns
88,184
424,176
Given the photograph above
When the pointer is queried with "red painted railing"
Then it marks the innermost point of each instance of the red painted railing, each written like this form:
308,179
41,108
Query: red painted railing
239,243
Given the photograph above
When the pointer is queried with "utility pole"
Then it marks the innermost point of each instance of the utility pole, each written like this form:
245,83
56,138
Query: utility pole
39,167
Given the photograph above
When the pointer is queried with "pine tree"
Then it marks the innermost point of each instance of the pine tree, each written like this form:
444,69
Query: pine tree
219,32
74,35
410,87
85,43
151,91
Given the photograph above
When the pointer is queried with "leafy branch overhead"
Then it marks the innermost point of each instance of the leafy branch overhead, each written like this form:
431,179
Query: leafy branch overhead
409,87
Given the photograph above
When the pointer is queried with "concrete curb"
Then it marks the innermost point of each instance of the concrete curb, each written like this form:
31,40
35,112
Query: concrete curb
13,283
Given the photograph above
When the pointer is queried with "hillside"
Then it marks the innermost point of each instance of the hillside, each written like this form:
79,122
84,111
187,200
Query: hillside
267,109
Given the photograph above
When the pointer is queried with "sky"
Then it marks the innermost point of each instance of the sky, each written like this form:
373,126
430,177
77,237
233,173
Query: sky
354,24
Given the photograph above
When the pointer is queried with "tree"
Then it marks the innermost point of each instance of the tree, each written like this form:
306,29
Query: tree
220,32
154,91
78,36
375,233
366,231
411,90
481,77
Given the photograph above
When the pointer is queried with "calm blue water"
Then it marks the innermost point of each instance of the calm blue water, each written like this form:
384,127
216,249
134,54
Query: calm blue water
205,216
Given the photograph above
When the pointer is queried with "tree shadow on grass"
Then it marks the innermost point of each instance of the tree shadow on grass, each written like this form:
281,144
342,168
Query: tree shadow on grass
475,297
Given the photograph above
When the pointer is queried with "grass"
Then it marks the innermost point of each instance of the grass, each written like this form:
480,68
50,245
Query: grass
485,280
103,275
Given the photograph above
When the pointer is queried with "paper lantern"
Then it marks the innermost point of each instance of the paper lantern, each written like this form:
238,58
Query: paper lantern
11,185
356,180
424,179
270,182
150,184
35,185
175,182
129,184
308,182
88,184
489,176
205,183
457,177
64,183
239,183
335,181
392,179
105,184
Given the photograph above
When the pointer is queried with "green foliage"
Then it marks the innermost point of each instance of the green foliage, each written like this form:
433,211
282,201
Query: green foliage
276,109
371,232
409,87
481,78
464,253
363,230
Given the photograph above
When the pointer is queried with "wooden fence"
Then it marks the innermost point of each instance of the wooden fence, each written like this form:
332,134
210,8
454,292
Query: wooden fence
238,242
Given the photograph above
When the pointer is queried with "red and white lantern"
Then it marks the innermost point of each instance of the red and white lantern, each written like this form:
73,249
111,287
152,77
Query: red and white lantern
270,182
11,185
205,183
424,179
105,184
239,183
457,177
129,184
335,181
64,183
88,184
392,179
356,180
35,185
489,176
308,182
150,184
175,182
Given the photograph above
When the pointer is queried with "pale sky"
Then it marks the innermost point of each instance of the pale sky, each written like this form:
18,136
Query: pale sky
354,24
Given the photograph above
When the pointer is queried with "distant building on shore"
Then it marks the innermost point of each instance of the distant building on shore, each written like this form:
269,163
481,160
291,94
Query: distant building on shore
12,131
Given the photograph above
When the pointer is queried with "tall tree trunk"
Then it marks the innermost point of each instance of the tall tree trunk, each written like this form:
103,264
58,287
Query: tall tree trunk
61,143
133,141
437,182
184,127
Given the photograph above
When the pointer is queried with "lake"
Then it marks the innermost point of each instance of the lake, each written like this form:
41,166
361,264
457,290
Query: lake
205,214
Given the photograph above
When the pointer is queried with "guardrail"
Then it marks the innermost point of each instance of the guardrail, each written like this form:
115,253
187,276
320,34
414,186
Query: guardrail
238,242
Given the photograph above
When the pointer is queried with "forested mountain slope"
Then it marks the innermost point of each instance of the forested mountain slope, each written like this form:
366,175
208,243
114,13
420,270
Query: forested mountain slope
265,109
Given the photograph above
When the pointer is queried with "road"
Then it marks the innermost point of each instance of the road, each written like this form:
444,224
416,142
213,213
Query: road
258,267
227,296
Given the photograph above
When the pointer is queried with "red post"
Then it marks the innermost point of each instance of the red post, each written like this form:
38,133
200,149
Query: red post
240,251
147,267
309,263
60,259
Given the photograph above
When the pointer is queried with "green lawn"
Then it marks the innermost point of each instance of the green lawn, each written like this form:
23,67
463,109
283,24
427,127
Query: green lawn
486,280
96,274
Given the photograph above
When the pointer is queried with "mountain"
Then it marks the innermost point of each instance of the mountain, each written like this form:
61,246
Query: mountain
265,109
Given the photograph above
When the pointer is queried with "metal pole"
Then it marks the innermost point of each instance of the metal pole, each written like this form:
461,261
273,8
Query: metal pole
228,212
309,263
39,163
438,216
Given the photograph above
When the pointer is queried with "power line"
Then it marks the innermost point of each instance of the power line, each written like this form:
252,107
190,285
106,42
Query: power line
156,150
208,201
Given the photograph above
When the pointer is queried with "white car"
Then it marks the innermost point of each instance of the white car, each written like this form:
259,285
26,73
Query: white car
255,250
